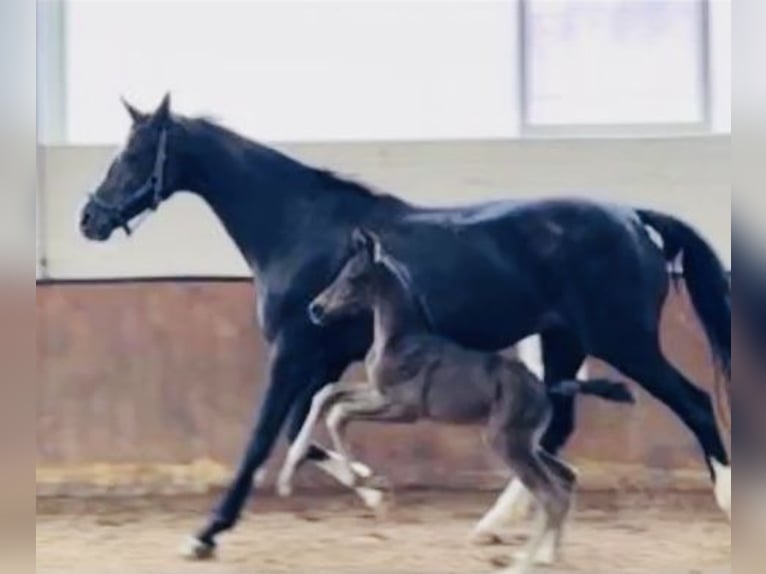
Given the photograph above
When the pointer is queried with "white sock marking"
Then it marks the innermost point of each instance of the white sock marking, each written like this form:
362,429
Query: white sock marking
530,352
722,486
337,468
193,549
513,499
260,477
301,444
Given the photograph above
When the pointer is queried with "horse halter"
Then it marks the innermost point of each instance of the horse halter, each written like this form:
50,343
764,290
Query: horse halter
153,187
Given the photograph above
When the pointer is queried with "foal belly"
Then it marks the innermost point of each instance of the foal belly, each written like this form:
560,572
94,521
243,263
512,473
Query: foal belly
457,405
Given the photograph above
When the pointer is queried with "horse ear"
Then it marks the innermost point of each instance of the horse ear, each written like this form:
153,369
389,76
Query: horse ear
163,112
135,115
364,239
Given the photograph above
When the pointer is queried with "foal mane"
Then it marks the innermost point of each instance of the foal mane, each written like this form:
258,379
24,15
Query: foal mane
403,277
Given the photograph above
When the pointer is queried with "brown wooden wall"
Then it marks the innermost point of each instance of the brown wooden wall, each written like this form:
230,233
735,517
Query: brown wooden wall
152,385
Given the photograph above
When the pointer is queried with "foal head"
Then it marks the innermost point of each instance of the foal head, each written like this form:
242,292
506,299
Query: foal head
139,178
353,289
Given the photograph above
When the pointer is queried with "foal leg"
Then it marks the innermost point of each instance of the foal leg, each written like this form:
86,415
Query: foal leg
566,477
302,449
522,455
367,405
562,357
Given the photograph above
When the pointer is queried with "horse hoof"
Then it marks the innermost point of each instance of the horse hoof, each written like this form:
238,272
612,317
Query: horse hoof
196,550
722,486
284,489
480,538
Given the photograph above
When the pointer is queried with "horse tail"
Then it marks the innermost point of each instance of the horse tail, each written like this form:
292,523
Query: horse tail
616,392
706,280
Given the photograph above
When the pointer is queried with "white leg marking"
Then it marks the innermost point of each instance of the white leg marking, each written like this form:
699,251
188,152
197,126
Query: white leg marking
335,467
722,486
530,352
486,532
193,549
346,469
528,557
302,442
260,477
547,555
521,508
372,497
338,469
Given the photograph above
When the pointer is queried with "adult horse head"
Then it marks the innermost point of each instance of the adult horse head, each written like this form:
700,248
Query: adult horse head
141,177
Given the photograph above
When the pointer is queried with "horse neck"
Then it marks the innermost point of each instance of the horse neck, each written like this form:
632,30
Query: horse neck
262,198
396,312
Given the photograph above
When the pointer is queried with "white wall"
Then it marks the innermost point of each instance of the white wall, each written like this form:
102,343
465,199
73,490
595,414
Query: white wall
689,177
297,71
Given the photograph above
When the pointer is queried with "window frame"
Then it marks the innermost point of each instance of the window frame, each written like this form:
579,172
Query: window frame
529,129
52,68
51,72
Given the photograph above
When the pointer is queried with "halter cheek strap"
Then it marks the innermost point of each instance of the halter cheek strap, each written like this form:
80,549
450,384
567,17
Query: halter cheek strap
153,186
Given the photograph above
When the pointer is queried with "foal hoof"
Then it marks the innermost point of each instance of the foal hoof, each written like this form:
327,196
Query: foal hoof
284,488
545,557
196,550
376,500
482,538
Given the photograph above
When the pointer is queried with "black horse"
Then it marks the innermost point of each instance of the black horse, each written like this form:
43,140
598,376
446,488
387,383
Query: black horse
587,276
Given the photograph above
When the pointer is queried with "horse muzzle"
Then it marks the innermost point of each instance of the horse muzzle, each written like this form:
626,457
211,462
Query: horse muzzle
96,224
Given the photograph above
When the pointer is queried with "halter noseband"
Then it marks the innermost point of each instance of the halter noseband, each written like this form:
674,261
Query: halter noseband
153,186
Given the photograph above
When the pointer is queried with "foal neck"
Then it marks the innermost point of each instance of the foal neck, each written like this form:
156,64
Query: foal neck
397,312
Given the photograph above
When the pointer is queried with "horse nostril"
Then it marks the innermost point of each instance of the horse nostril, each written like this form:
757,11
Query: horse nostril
316,313
84,219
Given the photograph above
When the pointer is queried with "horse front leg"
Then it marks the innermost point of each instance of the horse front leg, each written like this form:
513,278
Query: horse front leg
290,374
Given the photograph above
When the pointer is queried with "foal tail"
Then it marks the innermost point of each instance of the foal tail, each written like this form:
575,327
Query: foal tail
706,281
615,392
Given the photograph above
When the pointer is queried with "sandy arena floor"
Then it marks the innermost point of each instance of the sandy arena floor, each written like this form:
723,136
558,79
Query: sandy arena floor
425,533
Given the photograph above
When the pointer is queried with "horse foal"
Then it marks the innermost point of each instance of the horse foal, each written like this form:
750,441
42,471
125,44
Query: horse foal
415,375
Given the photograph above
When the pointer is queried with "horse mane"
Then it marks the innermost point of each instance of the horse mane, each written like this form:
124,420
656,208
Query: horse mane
331,179
325,179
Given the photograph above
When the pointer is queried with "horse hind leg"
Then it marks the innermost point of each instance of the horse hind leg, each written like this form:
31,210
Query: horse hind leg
691,404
